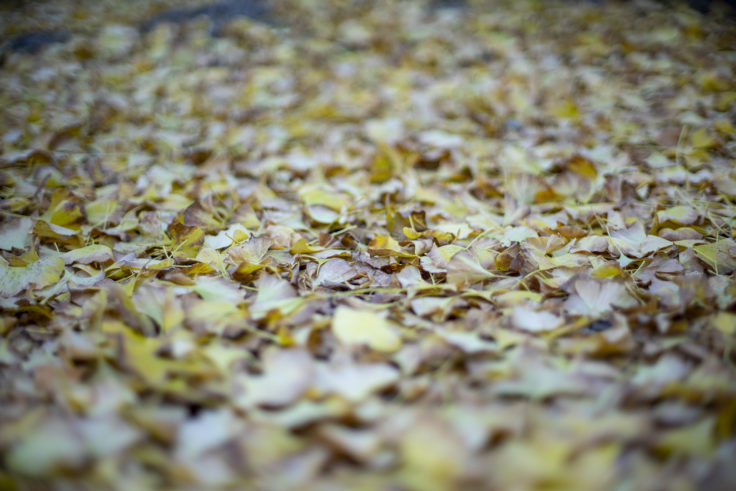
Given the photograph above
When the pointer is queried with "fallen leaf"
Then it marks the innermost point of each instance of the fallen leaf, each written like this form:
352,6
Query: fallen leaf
356,327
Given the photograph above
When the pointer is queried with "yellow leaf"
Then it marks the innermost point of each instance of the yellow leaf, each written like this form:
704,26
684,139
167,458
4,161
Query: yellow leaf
724,322
354,327
724,126
720,255
316,195
95,253
185,241
62,211
448,251
701,139
99,211
410,233
159,265
566,109
322,214
684,215
583,167
44,272
696,439
517,297
434,454
301,246
385,245
607,270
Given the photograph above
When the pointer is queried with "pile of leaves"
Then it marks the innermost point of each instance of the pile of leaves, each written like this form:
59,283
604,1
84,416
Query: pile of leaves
373,245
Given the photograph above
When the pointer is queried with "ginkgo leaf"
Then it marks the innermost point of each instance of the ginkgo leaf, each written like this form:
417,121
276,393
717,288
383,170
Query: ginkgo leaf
218,289
274,294
186,241
163,306
447,252
205,432
101,211
16,234
385,245
725,322
355,382
50,230
45,271
52,445
434,466
96,253
251,251
118,436
684,215
635,242
463,268
701,139
596,297
528,319
356,327
322,214
719,255
335,272
468,342
286,375
316,195
236,233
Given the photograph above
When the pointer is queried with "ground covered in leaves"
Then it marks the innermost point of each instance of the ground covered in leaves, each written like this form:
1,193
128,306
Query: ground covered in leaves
367,245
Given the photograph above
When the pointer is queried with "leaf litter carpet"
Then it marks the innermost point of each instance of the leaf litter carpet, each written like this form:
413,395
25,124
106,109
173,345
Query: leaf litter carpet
367,245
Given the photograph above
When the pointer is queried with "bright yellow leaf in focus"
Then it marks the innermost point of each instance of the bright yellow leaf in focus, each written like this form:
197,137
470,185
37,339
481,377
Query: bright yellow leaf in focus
411,234
354,327
607,270
385,245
